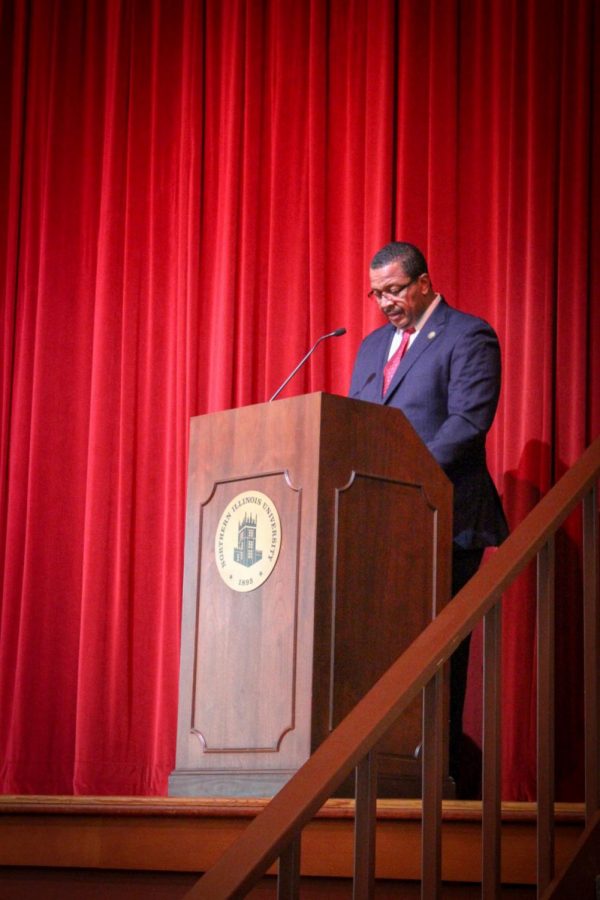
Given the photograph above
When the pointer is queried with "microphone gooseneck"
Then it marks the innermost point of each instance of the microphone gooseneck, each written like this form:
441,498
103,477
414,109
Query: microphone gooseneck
337,333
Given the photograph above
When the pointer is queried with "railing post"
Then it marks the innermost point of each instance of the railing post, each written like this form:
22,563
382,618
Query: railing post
288,876
433,750
365,827
490,814
591,653
545,715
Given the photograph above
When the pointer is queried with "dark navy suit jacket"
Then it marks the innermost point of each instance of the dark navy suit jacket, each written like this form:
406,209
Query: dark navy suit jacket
447,386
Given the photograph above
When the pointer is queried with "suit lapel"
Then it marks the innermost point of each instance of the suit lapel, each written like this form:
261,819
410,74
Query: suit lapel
423,342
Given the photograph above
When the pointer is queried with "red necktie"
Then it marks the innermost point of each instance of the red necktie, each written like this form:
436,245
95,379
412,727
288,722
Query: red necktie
393,362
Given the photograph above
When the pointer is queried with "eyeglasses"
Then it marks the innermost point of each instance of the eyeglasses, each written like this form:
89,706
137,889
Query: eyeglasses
393,291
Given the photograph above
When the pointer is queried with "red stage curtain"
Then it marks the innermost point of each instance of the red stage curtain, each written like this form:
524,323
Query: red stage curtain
190,193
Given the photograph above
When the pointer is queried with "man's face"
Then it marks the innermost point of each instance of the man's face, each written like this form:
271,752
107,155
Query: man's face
402,299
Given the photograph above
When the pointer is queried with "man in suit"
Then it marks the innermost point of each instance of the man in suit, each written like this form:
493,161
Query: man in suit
441,367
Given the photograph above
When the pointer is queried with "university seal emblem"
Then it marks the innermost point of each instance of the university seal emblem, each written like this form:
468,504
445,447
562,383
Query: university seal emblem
247,541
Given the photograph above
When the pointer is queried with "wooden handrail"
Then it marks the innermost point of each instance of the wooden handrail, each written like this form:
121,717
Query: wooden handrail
268,836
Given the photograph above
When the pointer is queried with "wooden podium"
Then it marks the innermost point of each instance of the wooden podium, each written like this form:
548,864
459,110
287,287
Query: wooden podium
318,541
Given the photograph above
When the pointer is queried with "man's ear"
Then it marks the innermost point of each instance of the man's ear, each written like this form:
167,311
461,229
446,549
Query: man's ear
424,282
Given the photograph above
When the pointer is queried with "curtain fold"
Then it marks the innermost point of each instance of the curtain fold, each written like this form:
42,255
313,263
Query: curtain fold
190,195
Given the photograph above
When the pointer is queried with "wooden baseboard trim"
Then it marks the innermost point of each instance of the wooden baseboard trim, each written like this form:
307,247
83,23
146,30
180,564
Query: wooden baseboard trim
189,834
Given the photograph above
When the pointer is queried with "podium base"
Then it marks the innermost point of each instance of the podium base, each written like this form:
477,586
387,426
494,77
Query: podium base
264,784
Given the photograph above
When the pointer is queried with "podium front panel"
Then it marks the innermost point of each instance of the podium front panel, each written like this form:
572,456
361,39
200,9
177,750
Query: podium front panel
245,659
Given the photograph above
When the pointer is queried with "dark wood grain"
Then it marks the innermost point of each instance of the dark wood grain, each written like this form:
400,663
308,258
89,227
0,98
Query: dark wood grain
364,566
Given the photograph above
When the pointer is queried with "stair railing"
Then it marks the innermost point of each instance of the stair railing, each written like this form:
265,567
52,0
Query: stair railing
276,832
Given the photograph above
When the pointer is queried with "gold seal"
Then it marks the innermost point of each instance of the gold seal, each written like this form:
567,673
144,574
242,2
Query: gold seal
247,541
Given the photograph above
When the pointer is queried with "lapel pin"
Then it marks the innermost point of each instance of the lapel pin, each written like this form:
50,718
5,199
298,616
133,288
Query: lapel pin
431,335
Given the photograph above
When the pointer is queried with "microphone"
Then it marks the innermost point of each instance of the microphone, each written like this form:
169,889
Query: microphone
337,333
